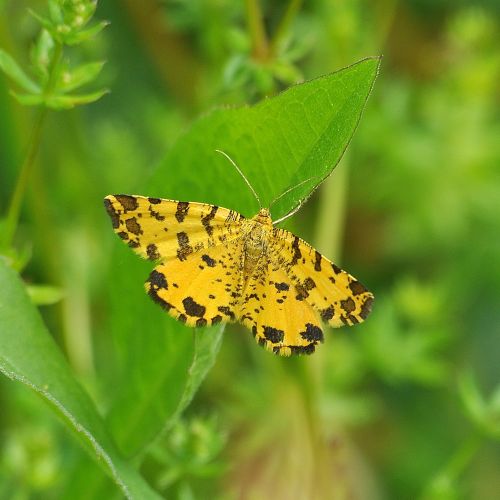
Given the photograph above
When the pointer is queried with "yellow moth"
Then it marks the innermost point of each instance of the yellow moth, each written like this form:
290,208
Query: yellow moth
214,265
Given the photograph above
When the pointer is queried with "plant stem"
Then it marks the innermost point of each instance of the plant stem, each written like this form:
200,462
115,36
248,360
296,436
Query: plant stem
22,180
329,231
449,474
284,25
462,456
25,173
260,45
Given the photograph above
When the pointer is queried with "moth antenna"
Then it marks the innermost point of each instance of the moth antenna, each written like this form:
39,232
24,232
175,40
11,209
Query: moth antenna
289,214
242,175
288,190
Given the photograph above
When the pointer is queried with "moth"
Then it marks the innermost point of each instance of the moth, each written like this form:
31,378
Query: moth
214,265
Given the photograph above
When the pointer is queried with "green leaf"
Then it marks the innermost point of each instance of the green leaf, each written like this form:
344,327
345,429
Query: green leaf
207,345
72,100
55,11
14,71
298,135
28,99
166,360
29,355
71,79
484,414
76,37
162,365
41,54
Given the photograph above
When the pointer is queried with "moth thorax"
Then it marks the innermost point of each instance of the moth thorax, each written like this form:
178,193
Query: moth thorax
257,238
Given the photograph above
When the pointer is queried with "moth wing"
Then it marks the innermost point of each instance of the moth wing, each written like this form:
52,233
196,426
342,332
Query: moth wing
201,289
339,298
165,229
279,322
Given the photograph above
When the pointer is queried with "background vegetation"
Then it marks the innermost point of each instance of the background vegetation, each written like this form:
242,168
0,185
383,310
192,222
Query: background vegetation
406,405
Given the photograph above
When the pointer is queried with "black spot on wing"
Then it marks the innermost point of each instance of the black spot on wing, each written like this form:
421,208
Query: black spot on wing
281,287
115,218
184,247
208,260
192,308
129,203
297,255
216,319
161,302
182,210
157,280
317,261
357,288
336,269
273,334
309,284
225,310
348,305
327,314
152,252
306,349
366,307
302,293
156,215
133,226
154,201
312,333
205,220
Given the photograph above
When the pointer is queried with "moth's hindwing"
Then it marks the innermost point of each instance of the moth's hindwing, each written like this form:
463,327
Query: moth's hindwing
202,289
278,321
339,298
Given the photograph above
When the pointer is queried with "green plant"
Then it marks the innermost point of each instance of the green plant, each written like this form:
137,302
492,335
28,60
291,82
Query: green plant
51,85
170,362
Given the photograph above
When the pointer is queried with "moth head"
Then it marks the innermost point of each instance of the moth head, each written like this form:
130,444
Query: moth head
264,217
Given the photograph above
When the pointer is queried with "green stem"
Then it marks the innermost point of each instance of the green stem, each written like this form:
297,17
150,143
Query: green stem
329,231
462,457
284,25
260,45
26,171
22,181
457,463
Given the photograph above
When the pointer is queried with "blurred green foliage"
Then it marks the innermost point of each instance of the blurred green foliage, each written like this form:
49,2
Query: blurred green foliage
394,408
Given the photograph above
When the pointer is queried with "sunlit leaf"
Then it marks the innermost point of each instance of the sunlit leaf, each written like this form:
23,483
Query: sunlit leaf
296,136
276,144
